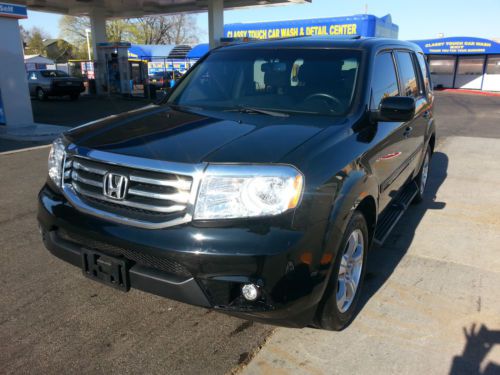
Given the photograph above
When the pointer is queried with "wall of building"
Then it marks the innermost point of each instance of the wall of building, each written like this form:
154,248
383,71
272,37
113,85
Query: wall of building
463,62
361,24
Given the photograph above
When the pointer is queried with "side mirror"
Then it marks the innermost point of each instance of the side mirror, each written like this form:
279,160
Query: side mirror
396,109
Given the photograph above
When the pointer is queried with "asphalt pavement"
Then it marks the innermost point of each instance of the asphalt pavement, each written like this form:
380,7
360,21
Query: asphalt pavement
53,320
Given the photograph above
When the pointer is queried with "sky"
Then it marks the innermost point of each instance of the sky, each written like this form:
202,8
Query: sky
420,19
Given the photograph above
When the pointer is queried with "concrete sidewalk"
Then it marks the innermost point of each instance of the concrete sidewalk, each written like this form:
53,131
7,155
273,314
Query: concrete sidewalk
432,295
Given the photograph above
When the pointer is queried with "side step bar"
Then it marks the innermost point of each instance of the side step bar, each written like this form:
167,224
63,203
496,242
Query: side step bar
391,215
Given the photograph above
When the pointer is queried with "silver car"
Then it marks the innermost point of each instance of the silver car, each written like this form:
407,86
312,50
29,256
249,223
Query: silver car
45,83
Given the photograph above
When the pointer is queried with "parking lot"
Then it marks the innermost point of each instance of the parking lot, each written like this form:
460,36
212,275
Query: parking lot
64,112
430,304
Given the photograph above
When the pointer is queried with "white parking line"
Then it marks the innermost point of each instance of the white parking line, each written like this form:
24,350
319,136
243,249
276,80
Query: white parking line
24,149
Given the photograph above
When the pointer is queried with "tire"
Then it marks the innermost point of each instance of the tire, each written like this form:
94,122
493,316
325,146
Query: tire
423,176
340,302
74,97
40,94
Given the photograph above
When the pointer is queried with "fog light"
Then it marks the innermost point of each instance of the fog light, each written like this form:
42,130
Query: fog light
250,292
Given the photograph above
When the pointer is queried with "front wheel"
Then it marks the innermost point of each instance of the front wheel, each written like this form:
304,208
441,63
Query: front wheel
423,176
342,294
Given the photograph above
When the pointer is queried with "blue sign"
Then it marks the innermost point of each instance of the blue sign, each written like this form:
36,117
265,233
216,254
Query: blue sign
459,46
13,11
361,24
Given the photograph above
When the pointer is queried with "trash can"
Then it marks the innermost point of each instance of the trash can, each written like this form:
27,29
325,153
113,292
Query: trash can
152,91
92,87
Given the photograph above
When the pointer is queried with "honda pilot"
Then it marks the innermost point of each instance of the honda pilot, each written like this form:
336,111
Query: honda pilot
257,186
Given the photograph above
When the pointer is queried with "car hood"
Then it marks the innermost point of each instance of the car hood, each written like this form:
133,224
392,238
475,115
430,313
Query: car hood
161,133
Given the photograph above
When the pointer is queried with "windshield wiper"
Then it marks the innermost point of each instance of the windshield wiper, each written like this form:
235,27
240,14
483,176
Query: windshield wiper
185,108
260,111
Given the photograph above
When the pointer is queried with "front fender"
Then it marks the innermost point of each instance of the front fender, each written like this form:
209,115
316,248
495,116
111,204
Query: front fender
354,187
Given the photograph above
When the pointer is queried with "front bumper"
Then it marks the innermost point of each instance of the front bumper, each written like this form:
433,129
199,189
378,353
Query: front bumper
203,266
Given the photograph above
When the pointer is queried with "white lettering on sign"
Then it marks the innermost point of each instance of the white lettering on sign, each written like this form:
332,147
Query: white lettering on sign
6,8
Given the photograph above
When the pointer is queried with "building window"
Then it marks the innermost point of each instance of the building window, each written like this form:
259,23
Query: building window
493,66
442,64
470,65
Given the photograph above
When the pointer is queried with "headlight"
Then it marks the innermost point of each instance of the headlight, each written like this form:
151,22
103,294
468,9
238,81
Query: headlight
56,157
239,191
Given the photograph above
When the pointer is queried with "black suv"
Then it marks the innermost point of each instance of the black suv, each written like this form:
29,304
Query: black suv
257,186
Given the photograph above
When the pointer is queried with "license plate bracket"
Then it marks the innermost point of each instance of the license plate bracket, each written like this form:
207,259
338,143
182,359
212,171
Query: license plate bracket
106,269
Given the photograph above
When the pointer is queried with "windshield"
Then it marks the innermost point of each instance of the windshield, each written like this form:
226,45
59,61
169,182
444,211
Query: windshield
54,73
313,81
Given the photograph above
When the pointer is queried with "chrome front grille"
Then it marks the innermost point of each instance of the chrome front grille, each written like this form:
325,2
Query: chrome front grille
156,196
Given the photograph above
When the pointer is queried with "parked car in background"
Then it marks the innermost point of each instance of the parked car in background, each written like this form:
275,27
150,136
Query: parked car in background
48,82
164,80
257,186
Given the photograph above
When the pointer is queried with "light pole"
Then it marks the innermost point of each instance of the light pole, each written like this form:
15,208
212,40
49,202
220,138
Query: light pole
87,31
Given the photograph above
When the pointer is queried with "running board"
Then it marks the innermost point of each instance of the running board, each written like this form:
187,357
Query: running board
391,215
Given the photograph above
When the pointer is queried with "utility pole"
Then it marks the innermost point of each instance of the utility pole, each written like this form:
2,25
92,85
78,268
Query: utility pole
87,31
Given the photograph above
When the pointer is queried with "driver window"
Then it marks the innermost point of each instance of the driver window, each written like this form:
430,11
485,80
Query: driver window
384,81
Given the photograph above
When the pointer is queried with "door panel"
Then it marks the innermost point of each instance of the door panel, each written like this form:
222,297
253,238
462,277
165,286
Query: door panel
391,151
388,159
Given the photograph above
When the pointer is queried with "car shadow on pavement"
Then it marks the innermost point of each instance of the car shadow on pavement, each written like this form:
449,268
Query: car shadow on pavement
479,343
382,261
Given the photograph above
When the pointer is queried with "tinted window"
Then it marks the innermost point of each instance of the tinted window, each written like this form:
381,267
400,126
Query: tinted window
288,80
425,72
407,74
385,82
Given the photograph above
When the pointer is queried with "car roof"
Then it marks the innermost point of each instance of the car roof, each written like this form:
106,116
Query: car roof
354,42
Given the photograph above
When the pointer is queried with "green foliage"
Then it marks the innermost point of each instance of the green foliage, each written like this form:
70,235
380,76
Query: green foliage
34,41
175,29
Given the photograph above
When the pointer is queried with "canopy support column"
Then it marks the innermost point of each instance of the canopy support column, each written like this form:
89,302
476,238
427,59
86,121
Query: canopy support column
215,22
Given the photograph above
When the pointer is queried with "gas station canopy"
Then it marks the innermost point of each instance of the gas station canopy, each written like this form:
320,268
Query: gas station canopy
137,8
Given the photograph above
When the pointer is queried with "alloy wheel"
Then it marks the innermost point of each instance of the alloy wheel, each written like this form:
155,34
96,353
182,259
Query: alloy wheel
351,266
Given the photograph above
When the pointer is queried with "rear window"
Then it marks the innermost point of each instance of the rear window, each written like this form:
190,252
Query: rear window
407,73
385,81
425,72
53,73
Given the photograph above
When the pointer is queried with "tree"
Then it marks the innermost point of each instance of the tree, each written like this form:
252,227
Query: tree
175,29
73,29
24,35
34,41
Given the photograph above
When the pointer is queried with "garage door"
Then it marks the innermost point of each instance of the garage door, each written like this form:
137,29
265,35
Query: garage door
442,70
492,77
470,72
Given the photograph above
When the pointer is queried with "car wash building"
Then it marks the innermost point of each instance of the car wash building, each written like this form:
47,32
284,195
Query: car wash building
360,24
463,62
